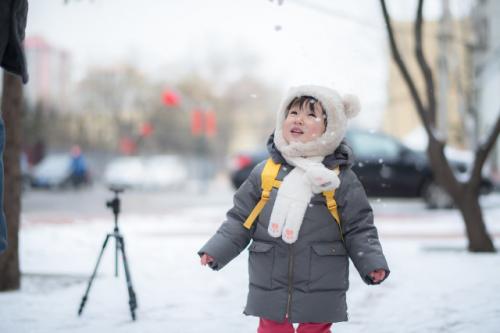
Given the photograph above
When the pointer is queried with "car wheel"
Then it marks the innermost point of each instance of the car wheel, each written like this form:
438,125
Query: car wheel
436,197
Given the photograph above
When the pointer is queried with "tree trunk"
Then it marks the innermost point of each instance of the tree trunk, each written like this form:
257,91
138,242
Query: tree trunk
466,197
479,240
10,277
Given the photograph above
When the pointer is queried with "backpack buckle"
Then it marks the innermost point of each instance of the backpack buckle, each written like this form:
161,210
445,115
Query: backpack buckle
331,205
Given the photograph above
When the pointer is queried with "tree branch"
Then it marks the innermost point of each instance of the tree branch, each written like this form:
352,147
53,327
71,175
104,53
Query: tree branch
424,66
404,71
483,151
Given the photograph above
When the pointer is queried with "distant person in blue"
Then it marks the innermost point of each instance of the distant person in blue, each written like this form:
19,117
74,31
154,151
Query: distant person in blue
13,16
79,170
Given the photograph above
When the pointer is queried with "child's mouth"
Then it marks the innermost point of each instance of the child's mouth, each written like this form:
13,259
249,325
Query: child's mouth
295,131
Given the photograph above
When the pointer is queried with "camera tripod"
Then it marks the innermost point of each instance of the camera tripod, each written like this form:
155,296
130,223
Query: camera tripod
114,204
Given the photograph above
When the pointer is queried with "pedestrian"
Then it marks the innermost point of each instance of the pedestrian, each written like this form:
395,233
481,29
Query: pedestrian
301,241
79,170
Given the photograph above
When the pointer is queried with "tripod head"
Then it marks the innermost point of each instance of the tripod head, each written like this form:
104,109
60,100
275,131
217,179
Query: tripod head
116,189
114,203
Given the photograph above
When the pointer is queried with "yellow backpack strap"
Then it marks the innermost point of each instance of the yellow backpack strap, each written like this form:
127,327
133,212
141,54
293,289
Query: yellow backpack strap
268,177
332,205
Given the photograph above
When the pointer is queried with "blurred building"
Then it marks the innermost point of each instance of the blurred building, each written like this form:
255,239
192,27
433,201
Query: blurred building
253,112
49,70
401,118
252,127
485,18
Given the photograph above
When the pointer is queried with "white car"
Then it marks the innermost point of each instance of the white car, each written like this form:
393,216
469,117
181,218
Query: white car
146,172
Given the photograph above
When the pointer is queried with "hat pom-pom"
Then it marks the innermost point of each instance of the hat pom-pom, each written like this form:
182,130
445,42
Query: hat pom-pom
352,105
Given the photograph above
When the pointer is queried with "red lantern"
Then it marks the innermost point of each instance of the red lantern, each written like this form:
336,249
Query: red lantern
127,146
196,122
210,123
146,129
170,98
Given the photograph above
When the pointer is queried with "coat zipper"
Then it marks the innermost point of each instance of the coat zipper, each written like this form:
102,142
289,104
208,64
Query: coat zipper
290,276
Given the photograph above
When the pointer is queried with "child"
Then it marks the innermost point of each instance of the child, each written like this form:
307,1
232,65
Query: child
298,260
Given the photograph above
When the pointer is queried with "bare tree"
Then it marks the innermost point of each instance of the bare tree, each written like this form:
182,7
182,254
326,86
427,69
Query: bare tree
12,113
465,194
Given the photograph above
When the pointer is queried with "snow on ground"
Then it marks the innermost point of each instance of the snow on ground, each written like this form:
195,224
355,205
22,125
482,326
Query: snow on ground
434,286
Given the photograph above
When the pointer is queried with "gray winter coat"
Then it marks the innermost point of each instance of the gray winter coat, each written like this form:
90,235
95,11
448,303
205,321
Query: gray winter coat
308,279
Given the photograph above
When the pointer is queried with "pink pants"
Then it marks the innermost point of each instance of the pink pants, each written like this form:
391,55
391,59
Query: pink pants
270,326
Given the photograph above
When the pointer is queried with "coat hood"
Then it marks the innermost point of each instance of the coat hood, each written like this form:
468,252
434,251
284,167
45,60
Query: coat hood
338,110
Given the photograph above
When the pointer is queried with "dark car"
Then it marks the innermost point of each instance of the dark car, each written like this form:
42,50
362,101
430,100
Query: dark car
242,165
388,168
385,167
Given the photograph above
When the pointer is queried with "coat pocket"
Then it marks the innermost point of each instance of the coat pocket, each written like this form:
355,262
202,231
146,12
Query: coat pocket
329,267
261,263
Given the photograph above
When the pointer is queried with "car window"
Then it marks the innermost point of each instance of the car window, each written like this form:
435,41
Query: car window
374,146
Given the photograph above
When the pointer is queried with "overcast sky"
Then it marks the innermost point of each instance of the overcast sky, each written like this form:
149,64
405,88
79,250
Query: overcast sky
338,43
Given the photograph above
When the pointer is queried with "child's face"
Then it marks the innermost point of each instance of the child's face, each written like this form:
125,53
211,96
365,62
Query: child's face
304,123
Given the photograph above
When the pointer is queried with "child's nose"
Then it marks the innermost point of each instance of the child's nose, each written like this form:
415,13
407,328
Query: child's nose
299,119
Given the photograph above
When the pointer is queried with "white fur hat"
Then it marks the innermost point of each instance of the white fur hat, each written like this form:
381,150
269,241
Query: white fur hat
338,109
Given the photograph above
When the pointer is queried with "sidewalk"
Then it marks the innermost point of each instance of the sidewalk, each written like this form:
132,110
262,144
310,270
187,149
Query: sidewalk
435,286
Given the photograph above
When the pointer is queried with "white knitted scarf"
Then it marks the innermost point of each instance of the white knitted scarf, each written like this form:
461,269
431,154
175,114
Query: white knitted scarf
308,177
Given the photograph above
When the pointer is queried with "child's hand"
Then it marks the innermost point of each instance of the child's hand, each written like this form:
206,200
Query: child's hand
206,259
377,275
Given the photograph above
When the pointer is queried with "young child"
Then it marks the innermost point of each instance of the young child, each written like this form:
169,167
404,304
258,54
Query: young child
298,260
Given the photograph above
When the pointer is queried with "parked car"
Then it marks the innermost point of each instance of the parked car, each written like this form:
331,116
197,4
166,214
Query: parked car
146,172
55,171
385,167
243,163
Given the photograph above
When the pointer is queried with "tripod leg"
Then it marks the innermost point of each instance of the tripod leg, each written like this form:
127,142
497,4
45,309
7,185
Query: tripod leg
84,298
132,300
116,255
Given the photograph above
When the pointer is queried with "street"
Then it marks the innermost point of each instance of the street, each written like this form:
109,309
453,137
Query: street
41,206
